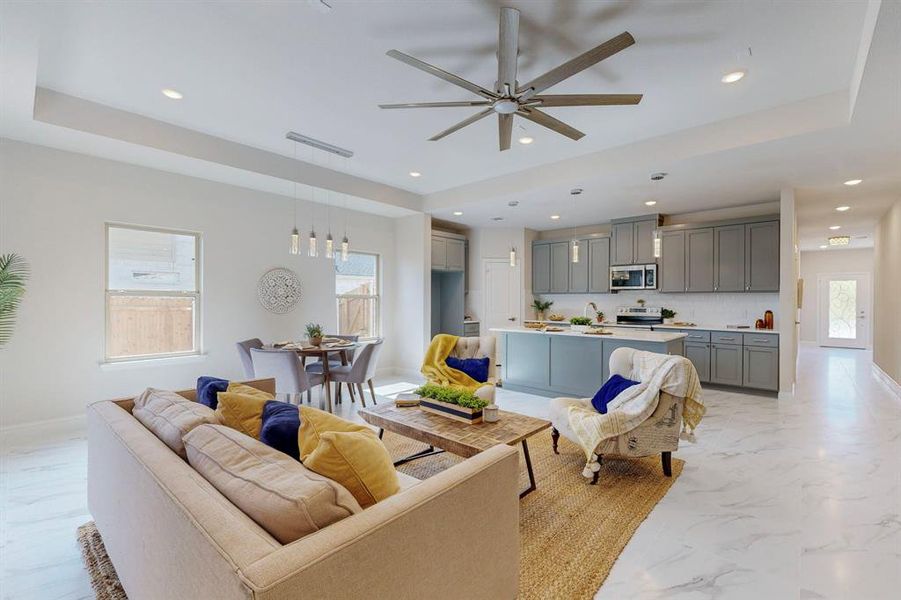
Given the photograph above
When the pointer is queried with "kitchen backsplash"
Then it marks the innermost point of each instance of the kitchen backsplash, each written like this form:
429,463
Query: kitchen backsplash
707,309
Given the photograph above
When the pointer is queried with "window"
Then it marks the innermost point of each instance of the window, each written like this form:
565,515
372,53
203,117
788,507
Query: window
357,290
152,293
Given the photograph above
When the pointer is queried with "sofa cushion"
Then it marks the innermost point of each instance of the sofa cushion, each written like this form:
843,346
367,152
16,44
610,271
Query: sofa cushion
315,422
170,416
280,423
285,498
241,408
357,460
208,387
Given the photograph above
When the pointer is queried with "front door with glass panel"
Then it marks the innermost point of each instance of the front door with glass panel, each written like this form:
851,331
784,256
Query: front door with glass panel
842,316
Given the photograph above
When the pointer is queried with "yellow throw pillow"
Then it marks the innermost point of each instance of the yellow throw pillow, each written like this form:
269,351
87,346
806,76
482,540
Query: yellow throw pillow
241,408
357,460
315,422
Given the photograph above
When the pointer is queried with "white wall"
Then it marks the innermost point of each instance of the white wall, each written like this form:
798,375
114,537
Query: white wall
789,271
53,206
814,263
412,239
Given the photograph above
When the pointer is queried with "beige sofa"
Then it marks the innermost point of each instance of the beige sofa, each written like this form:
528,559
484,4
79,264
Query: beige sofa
170,534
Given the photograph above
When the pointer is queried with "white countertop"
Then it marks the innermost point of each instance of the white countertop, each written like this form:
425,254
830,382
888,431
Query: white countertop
699,327
631,335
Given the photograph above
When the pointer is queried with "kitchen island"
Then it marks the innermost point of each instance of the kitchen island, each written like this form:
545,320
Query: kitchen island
569,363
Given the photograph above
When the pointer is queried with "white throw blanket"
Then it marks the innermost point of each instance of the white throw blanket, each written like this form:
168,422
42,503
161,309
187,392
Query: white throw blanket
674,375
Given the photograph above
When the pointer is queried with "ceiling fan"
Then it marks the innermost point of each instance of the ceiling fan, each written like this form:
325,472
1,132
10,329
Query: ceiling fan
509,98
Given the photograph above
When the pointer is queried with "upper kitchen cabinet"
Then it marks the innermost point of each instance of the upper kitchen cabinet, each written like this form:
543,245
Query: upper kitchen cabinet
672,262
633,241
699,260
762,257
578,272
729,258
559,267
599,265
541,268
448,251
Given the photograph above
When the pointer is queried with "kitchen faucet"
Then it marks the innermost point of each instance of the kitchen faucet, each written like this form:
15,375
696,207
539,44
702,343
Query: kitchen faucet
593,307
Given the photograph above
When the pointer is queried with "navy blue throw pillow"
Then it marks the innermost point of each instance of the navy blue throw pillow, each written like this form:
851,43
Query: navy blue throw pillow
610,390
477,368
208,387
279,429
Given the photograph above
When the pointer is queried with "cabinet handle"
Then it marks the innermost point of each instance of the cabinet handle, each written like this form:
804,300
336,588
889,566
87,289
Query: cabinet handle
725,339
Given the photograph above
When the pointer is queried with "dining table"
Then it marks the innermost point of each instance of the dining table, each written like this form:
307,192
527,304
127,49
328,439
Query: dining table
324,351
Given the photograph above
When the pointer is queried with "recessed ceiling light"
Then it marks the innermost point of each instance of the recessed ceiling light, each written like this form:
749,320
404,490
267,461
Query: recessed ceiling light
526,139
853,181
834,227
458,213
650,203
497,218
172,94
555,217
842,208
732,77
839,240
415,174
823,247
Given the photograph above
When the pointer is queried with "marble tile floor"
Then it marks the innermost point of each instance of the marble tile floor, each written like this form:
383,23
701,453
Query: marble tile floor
795,499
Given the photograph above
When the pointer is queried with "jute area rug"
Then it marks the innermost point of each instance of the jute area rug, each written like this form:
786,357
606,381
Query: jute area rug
571,532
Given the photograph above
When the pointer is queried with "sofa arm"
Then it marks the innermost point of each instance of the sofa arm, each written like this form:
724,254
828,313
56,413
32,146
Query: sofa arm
454,535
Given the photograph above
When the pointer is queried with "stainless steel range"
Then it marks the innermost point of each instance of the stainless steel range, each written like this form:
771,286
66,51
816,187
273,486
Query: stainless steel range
639,315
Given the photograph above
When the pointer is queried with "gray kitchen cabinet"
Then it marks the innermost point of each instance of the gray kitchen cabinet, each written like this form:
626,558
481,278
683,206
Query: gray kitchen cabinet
455,255
699,355
644,241
761,368
577,370
527,359
726,364
762,257
623,244
599,265
541,268
729,258
559,267
578,272
672,262
699,260
439,253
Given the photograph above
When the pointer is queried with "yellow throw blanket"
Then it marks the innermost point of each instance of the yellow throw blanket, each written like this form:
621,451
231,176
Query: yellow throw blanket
436,370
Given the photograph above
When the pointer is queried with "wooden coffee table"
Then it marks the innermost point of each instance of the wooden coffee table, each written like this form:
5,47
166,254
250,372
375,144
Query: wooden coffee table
446,435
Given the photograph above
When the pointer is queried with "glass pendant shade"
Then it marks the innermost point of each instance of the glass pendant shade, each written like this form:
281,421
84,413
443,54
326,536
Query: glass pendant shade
512,257
345,248
314,247
575,251
657,244
295,241
329,246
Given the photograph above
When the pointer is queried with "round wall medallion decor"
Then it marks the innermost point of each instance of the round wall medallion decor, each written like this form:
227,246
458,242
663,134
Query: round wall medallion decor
279,290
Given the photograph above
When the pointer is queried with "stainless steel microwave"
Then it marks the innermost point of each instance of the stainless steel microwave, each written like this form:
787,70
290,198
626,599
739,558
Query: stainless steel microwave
633,277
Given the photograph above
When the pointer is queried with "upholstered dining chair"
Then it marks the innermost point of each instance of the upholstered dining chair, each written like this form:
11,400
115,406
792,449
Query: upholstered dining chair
244,352
316,366
658,434
284,366
361,371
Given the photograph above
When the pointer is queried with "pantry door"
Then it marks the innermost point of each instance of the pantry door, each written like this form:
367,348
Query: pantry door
843,301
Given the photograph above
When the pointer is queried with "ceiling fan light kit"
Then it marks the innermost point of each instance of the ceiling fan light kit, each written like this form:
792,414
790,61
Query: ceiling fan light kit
509,98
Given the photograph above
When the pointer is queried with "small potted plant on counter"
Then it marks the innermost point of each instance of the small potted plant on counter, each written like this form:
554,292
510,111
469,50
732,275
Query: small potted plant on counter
580,324
669,315
314,333
599,315
541,307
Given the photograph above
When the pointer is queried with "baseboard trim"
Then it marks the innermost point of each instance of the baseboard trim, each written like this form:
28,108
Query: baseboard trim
884,377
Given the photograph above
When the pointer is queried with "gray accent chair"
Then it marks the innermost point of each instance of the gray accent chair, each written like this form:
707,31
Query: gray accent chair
244,352
361,371
285,367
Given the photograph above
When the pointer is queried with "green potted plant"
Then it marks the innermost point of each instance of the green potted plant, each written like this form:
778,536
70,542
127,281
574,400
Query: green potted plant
453,403
13,273
599,315
668,315
541,306
580,324
314,333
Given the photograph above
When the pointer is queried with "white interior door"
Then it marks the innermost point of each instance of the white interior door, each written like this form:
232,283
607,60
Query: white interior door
502,294
843,301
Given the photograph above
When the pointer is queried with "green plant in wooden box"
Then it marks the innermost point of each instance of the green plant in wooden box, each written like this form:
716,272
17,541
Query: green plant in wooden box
453,403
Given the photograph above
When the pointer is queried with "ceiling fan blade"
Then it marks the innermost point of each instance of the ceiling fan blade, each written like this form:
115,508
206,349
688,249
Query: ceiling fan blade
462,124
546,120
505,131
507,51
441,74
576,65
586,100
437,104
